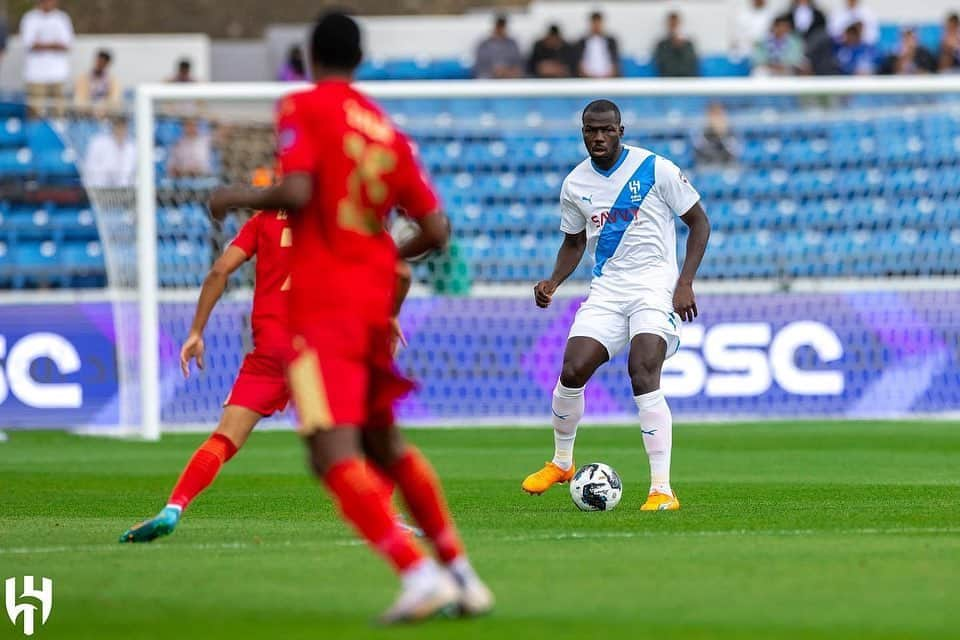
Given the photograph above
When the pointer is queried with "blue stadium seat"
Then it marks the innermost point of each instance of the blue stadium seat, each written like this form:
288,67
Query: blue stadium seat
637,68
37,264
84,263
722,66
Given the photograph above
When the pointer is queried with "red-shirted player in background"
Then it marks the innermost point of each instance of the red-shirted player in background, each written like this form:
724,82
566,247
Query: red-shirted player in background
344,168
260,389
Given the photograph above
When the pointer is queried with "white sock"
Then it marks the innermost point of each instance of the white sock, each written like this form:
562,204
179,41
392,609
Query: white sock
420,575
656,424
461,568
567,412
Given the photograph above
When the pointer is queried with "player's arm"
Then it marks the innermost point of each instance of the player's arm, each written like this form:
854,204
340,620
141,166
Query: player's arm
404,280
292,193
213,287
684,301
568,257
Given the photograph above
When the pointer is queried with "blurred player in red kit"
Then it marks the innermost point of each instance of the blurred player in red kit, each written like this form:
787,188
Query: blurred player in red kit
344,168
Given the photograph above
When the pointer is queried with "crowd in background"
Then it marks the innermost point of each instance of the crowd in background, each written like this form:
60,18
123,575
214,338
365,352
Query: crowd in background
797,39
804,40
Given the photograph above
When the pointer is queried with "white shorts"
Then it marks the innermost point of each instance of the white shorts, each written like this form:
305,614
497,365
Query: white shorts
614,324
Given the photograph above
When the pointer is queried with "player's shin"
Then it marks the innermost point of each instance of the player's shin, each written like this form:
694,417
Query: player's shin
201,470
420,487
567,409
365,505
656,424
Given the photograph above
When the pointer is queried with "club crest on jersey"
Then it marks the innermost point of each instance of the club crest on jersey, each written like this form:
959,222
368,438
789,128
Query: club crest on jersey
635,191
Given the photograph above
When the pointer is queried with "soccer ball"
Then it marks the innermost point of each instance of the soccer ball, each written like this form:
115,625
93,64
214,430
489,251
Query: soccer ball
596,487
402,229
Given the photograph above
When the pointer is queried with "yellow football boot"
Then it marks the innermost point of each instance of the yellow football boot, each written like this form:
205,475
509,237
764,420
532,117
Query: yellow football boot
551,474
657,501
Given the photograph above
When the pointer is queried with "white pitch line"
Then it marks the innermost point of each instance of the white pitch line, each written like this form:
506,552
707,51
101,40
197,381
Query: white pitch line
571,535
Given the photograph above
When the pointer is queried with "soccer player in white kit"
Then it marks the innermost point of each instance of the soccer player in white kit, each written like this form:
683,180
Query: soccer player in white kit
619,204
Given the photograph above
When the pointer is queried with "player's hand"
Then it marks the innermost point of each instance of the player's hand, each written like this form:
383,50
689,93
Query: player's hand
543,293
398,339
684,302
220,203
192,349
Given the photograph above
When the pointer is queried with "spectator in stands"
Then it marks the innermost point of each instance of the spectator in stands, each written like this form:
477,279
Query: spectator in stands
4,31
751,28
97,91
294,69
854,12
184,72
949,54
821,53
111,157
781,52
910,58
598,53
551,57
498,56
675,55
716,144
806,19
47,35
855,56
192,155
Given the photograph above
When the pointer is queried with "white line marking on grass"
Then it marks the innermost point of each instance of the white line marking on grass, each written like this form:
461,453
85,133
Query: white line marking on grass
570,535
599,535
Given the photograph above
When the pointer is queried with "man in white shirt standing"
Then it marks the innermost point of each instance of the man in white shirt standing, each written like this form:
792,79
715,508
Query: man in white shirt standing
852,13
111,158
620,204
47,35
598,55
751,28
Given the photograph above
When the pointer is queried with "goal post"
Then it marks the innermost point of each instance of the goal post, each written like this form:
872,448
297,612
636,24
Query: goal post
433,110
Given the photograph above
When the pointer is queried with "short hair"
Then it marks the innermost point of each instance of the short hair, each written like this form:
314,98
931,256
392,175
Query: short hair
596,15
953,17
554,30
335,42
783,17
184,64
601,106
673,15
501,21
105,54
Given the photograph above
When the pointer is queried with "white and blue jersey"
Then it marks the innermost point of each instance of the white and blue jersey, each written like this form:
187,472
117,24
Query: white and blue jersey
629,214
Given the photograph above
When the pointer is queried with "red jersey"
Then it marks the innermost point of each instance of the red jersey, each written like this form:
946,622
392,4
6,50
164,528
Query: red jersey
362,167
268,236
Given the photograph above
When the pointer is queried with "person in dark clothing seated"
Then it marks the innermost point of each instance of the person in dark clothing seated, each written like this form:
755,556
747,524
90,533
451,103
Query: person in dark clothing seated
552,57
910,58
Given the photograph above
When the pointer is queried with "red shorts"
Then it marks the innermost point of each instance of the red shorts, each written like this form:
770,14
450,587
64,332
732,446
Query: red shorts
261,385
343,374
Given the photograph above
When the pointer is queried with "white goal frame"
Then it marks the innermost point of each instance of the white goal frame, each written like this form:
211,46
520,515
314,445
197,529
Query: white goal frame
145,115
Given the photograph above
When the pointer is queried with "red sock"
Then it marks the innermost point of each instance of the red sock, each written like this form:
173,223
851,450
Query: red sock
385,482
421,491
364,505
202,469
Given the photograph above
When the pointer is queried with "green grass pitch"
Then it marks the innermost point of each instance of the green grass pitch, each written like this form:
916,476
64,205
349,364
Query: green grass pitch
811,530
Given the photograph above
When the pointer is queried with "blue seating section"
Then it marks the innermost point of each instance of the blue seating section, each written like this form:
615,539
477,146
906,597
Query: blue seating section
864,186
817,192
42,244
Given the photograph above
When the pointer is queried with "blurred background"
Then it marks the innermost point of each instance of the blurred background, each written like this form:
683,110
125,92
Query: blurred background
829,289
